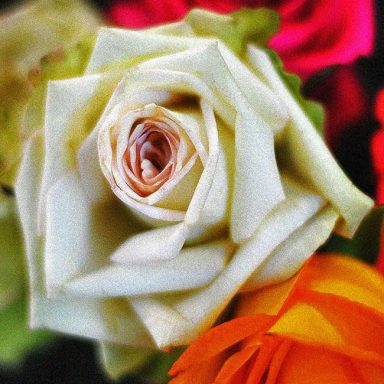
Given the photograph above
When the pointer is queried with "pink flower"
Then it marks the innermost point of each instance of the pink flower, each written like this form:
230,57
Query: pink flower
313,34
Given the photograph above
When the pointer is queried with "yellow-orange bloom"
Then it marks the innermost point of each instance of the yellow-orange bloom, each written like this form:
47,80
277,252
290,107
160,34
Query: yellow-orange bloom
325,325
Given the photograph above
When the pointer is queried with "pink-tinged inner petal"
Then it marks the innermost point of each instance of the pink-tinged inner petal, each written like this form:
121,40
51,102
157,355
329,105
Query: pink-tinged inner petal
151,156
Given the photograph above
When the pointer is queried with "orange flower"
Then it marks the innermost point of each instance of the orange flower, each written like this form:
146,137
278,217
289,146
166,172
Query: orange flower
324,325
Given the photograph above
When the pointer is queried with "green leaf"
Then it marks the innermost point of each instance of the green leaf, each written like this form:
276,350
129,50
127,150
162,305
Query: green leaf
156,370
314,110
16,339
236,29
365,245
12,276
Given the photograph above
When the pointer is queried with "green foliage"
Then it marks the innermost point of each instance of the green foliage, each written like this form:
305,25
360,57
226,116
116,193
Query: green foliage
16,339
156,370
314,110
365,244
11,253
236,29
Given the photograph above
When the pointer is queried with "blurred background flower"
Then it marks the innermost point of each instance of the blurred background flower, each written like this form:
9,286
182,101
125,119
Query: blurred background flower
377,148
28,33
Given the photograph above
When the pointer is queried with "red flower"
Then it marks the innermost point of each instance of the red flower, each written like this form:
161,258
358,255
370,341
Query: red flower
317,34
377,149
144,13
345,102
313,35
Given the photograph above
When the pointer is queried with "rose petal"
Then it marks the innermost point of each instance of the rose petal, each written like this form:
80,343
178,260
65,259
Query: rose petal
302,143
119,360
89,230
64,98
77,317
252,135
294,251
204,306
152,246
178,274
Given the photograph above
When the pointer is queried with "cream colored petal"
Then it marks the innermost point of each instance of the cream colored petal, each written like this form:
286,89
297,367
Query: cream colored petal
179,82
210,67
259,96
208,213
167,326
207,177
151,246
193,125
257,185
121,49
182,273
202,307
92,179
78,317
67,250
184,182
119,360
256,169
308,155
67,104
80,236
180,28
91,175
178,191
289,257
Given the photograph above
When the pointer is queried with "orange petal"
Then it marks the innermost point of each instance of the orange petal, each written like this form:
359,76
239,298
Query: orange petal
268,300
203,373
335,322
277,361
269,345
218,339
304,365
346,277
232,366
370,373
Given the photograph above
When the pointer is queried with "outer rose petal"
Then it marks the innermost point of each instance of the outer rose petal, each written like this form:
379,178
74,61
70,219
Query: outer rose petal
307,320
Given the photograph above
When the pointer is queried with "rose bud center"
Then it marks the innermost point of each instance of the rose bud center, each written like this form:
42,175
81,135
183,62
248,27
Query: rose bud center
150,157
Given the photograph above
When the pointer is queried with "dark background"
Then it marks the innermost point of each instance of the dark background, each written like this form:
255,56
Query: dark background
74,361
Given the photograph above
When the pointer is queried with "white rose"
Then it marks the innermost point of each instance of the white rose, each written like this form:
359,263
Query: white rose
166,178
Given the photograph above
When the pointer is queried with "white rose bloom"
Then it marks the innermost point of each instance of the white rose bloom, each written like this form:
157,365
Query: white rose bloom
169,176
